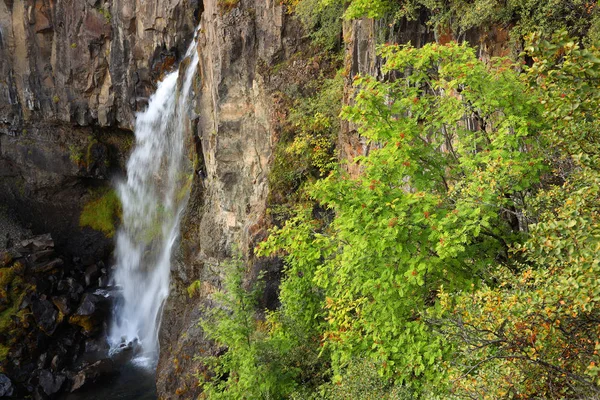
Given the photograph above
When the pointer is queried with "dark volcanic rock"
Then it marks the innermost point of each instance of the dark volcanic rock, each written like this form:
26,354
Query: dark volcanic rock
43,348
45,315
92,273
49,382
64,304
37,244
70,287
6,386
47,266
88,304
91,313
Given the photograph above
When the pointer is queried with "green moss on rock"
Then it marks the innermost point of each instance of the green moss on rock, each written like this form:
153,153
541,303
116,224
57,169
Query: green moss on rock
12,292
102,213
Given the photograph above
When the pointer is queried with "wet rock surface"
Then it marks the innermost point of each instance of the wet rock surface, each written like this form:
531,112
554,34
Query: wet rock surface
6,388
73,75
53,321
233,144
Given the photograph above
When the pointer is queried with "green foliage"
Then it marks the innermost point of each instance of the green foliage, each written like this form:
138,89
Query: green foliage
526,15
565,80
75,154
322,20
252,366
460,260
316,122
193,288
306,150
102,213
536,334
365,8
12,292
362,382
579,17
82,155
426,210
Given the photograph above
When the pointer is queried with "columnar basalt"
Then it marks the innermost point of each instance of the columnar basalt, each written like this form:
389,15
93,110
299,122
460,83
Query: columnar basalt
73,75
234,141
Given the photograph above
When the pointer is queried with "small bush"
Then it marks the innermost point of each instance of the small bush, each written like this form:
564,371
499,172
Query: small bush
75,154
306,150
362,382
322,20
225,6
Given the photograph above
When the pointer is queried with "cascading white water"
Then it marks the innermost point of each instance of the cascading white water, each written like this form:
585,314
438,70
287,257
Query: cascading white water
153,198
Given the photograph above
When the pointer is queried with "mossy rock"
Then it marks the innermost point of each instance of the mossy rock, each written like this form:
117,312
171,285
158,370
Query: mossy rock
12,292
102,213
88,323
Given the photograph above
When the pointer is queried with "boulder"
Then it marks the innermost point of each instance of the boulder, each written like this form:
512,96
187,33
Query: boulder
47,266
49,382
6,386
45,315
70,287
91,313
92,373
92,273
41,256
64,304
36,244
89,304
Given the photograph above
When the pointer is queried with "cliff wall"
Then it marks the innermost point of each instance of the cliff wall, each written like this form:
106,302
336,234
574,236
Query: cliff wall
73,74
236,130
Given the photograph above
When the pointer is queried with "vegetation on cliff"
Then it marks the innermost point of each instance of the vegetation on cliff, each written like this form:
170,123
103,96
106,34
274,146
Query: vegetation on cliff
460,262
102,212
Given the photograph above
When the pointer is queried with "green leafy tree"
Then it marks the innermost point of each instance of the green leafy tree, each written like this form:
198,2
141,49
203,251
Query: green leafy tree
440,197
535,334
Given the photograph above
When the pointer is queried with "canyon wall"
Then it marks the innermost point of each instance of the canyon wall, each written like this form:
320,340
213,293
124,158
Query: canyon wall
235,134
72,75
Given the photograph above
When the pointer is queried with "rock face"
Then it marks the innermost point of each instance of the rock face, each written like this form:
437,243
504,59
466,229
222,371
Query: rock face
361,58
73,73
361,39
90,62
6,388
235,135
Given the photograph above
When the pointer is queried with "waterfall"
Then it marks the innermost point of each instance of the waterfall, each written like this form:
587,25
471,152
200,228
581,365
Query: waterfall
153,198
